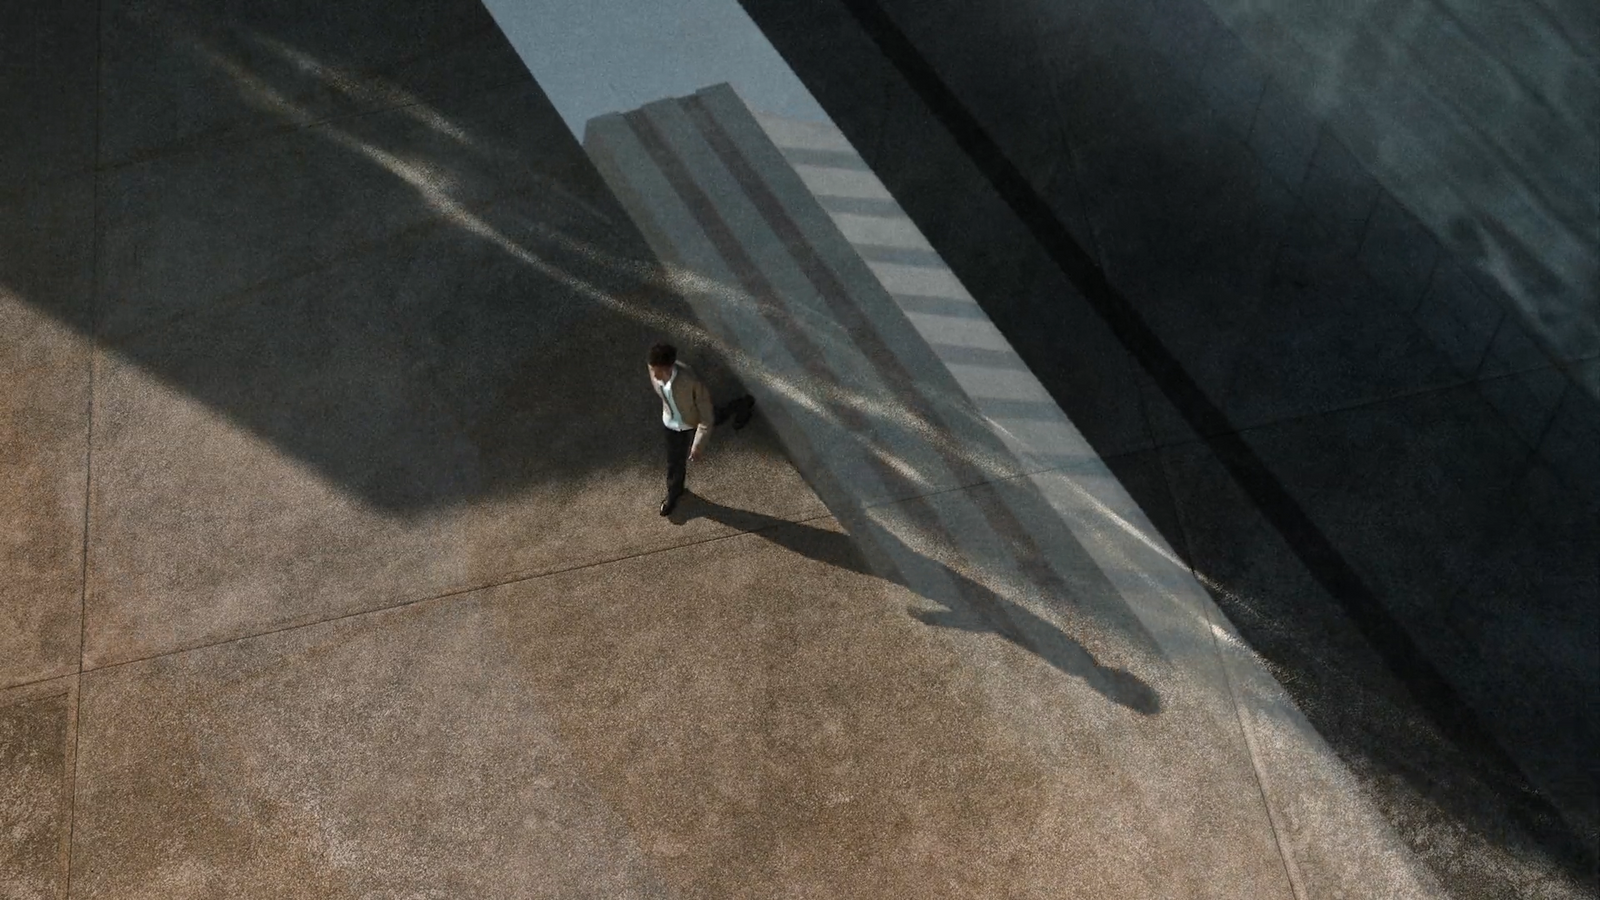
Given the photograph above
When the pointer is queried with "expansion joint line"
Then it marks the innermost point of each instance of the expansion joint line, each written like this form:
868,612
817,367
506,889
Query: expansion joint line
524,578
1290,870
93,304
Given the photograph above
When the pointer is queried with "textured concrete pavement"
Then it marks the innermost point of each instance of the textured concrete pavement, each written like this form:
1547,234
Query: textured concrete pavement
331,566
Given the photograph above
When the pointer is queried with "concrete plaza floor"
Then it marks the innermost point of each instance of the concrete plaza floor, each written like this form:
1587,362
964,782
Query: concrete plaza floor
329,558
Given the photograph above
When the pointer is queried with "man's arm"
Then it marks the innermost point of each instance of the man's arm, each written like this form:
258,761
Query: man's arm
701,398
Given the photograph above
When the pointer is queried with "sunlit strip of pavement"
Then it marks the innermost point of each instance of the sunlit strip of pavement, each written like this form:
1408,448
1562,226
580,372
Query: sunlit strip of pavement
1202,665
896,398
1010,400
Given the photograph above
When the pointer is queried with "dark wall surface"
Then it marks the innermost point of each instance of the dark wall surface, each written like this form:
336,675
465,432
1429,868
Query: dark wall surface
1386,481
1483,119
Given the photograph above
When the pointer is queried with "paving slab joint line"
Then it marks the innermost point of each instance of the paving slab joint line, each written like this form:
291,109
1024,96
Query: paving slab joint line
76,691
64,688
1290,870
1560,365
445,595
25,685
522,578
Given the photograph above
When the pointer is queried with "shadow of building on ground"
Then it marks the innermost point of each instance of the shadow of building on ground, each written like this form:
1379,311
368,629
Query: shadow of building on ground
341,247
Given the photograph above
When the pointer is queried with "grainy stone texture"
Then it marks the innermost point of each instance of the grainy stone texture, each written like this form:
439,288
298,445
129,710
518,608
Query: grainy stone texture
47,141
683,720
396,756
45,285
365,333
48,94
690,709
33,814
795,732
433,416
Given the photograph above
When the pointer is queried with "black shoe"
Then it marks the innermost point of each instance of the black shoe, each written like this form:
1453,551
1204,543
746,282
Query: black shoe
747,405
668,505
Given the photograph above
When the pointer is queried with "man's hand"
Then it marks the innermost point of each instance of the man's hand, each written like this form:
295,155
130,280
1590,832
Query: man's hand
695,453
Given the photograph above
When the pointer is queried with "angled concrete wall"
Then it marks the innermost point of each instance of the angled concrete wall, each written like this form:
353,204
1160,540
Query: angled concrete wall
1382,475
1469,215
1482,119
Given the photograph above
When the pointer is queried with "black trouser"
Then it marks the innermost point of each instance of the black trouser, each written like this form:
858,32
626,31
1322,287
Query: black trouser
679,442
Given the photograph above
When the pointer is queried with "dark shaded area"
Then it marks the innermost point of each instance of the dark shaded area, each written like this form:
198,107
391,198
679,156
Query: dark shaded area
361,233
1414,561
1266,492
1485,117
970,606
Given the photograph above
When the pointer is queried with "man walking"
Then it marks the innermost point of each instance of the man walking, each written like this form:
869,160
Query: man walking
688,415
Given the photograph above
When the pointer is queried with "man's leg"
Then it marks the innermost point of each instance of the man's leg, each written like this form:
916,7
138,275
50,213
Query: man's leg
678,443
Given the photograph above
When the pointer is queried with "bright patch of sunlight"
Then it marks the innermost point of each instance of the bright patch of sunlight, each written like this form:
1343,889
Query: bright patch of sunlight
825,181
919,281
793,134
365,89
880,231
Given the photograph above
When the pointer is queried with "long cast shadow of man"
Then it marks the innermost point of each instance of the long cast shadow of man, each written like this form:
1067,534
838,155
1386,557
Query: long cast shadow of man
971,606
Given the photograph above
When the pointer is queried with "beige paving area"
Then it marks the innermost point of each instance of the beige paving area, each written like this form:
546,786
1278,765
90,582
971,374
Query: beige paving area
390,755
681,720
373,597
43,421
36,739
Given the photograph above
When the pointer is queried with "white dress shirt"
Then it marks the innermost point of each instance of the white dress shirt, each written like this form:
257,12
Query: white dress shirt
670,416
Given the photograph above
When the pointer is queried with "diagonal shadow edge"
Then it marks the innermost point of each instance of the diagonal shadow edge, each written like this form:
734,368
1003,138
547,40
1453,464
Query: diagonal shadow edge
1437,697
868,548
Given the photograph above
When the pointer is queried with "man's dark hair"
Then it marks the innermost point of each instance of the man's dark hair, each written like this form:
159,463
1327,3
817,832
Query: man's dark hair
663,355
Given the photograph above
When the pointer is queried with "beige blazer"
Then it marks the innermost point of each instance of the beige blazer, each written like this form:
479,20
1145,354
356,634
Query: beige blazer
692,398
